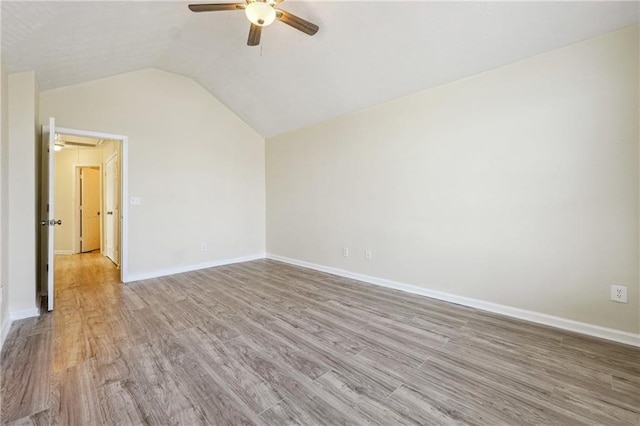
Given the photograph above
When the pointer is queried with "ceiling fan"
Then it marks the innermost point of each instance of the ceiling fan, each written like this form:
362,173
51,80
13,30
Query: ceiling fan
261,13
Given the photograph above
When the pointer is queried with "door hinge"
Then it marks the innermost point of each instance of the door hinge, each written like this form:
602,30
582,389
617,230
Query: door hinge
47,267
47,208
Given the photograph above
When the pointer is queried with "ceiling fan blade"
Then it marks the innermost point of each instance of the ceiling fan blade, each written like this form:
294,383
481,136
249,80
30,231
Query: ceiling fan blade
254,35
216,7
297,23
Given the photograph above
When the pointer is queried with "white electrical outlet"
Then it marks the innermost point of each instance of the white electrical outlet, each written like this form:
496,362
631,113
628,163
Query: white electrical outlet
203,247
134,201
345,251
368,255
619,293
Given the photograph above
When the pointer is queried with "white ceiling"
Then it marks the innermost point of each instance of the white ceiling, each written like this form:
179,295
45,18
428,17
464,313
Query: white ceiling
365,53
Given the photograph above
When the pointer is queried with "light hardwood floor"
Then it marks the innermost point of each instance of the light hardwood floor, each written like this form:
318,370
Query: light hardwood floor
267,343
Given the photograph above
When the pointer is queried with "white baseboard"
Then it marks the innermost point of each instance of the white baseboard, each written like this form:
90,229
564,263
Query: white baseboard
27,313
63,252
4,330
537,317
189,268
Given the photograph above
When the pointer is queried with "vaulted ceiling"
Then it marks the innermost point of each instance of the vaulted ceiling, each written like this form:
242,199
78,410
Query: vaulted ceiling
365,53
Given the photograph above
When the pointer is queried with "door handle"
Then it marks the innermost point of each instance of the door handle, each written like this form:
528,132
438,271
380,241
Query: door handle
110,212
51,222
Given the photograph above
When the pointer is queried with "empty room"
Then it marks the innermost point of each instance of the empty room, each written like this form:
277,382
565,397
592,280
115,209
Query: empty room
319,212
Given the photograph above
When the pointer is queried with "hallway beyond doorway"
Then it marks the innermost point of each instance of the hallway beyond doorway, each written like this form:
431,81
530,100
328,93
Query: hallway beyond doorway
86,275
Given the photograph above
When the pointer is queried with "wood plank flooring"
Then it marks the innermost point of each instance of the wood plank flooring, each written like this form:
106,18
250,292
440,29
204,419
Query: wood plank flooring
267,343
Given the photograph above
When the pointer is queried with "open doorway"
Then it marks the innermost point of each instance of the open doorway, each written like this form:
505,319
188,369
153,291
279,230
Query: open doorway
83,210
87,181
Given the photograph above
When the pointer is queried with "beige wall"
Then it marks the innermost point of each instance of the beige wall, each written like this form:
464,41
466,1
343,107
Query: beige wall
4,205
66,161
22,179
198,169
518,186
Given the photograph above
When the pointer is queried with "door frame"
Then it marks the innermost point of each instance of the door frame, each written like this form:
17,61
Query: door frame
124,189
77,246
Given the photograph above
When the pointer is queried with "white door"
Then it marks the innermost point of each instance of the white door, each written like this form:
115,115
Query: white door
47,218
112,208
89,209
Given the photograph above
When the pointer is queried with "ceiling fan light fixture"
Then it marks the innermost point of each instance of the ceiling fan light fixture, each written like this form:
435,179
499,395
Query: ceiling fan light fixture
260,13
